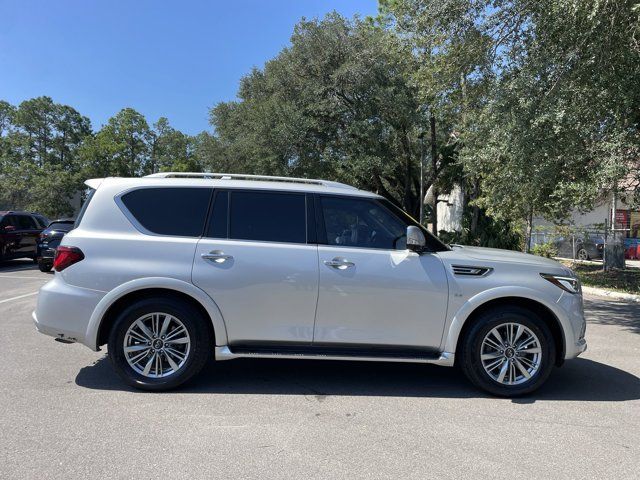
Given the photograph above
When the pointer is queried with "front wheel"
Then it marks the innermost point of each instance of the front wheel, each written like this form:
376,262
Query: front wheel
509,351
582,254
159,343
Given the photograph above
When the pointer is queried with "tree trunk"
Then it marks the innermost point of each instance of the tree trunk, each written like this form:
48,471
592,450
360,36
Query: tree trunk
434,166
407,184
475,211
529,229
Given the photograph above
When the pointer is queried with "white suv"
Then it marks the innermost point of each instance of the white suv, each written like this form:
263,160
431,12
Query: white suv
172,269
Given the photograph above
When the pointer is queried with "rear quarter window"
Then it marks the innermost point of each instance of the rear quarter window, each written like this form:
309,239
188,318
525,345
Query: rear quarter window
176,211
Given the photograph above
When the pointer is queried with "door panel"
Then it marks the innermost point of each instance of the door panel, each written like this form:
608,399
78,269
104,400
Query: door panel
260,270
28,233
380,297
267,292
12,239
373,291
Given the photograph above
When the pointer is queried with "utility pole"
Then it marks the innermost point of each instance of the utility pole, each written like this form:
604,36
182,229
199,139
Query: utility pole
614,256
421,178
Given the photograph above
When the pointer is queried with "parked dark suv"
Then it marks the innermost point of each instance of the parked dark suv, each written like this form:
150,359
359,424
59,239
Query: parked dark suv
19,234
49,240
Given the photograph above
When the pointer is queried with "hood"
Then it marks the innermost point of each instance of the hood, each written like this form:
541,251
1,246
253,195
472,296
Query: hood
499,255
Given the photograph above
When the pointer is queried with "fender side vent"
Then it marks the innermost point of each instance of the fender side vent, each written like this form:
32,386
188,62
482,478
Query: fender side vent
470,271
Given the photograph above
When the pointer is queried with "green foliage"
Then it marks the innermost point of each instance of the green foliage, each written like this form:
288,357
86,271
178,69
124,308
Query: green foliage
336,104
39,163
625,280
489,232
548,250
121,148
536,104
546,105
47,150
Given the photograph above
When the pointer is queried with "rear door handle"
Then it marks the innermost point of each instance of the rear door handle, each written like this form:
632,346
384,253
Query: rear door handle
218,256
339,263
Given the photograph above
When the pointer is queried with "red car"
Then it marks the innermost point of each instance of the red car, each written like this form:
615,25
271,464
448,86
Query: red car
19,234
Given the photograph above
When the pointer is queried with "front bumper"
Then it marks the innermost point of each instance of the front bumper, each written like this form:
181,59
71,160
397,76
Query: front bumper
574,325
63,311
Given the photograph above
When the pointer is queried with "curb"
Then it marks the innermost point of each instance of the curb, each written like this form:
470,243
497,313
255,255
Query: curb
601,292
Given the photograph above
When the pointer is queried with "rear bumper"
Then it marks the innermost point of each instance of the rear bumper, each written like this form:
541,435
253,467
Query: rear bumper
47,254
63,311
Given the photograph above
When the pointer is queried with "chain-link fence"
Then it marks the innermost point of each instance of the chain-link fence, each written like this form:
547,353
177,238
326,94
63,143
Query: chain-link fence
571,243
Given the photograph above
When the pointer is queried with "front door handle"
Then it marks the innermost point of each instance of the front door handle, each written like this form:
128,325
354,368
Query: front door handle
339,263
218,256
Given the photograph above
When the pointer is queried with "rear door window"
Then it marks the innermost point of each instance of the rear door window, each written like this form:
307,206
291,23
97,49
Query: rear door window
218,220
176,211
25,222
9,220
268,216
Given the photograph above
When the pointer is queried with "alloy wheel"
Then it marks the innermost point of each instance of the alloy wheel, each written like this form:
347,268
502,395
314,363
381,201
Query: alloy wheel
511,354
157,345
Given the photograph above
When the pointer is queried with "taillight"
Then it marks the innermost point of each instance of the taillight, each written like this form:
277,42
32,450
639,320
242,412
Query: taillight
65,257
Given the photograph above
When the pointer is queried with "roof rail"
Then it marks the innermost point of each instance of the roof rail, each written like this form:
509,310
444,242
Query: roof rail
242,176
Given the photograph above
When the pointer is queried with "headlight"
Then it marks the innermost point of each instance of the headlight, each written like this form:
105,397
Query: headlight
568,284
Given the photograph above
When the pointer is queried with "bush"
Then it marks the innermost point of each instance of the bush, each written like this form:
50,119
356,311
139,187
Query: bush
545,250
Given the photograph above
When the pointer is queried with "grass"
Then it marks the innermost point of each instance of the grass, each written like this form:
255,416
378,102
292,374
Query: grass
627,280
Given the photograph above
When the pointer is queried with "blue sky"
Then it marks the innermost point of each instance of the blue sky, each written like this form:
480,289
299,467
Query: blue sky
173,59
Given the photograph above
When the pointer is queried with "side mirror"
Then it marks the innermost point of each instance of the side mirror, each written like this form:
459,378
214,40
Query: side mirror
415,239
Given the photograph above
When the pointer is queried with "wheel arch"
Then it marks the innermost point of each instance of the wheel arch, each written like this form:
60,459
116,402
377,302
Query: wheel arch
115,301
463,320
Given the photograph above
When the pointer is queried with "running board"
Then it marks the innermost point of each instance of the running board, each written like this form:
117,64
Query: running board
443,358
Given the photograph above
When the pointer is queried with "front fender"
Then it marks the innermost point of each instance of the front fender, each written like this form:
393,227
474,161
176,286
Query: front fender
181,286
464,312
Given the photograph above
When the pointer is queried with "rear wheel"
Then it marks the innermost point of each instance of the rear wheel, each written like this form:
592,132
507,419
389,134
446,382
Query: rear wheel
509,351
44,266
158,343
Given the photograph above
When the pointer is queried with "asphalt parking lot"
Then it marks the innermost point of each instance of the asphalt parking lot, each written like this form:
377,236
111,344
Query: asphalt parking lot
65,414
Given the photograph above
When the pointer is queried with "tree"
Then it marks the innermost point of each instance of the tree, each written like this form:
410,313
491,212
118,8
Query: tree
121,148
452,73
553,121
38,155
172,150
335,104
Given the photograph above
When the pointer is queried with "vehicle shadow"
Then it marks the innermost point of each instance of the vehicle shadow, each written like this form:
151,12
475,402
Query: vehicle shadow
17,266
611,312
577,380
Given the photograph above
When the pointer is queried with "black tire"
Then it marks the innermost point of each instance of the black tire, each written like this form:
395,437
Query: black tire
582,254
200,349
471,348
44,267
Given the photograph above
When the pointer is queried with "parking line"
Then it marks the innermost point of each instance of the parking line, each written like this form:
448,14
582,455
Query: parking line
22,269
18,297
